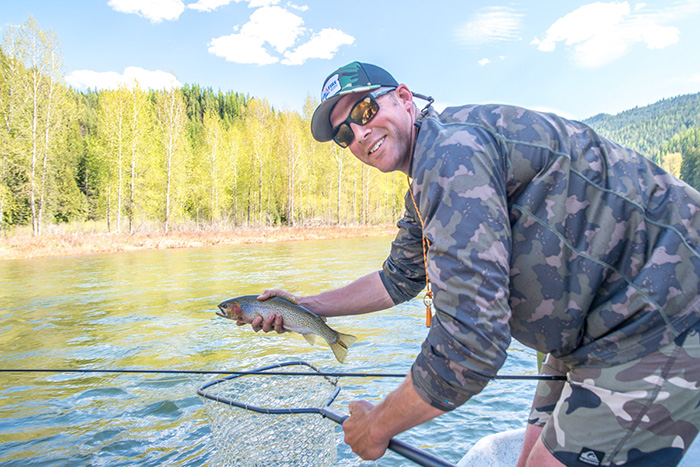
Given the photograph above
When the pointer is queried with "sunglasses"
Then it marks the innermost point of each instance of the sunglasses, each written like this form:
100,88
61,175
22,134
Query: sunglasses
361,113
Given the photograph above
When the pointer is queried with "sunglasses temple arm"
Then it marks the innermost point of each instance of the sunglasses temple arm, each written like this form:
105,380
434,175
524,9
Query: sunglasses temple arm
425,98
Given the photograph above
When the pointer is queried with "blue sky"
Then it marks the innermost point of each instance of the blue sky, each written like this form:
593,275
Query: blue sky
576,58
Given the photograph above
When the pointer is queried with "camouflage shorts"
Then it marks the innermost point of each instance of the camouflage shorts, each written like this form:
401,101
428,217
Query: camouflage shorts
642,413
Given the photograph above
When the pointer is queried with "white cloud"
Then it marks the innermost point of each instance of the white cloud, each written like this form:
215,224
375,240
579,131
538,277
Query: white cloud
490,25
239,48
272,25
484,61
209,5
599,33
146,79
262,3
270,34
323,45
154,10
297,7
277,26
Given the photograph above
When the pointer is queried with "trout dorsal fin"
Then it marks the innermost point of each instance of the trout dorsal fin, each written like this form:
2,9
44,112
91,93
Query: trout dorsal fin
293,300
290,299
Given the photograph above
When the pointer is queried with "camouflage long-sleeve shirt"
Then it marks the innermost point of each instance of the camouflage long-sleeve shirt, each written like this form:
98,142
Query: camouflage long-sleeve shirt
540,229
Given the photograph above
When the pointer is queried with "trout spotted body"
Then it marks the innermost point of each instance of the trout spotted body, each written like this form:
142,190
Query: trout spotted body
295,318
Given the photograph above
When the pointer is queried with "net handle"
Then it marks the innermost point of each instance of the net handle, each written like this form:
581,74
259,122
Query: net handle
416,455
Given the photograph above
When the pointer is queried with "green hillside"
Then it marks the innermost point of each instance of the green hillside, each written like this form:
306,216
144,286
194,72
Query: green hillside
647,129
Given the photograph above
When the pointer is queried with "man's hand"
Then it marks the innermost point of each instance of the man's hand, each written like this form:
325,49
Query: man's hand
272,322
358,432
369,428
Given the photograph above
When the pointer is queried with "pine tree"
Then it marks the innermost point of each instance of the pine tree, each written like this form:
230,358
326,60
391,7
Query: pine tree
690,169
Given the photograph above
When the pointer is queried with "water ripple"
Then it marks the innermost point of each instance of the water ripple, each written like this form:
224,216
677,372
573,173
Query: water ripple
155,310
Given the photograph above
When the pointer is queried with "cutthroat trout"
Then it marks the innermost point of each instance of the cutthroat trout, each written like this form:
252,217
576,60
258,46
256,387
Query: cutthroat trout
295,318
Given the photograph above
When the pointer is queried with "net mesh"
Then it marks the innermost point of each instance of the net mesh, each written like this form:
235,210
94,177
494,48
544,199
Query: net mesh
246,438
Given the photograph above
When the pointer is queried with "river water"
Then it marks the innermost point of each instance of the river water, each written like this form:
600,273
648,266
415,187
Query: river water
155,310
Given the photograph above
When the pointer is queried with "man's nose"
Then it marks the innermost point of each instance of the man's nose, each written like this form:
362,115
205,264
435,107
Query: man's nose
359,131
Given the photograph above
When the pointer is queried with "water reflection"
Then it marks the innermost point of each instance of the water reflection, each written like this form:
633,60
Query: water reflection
155,310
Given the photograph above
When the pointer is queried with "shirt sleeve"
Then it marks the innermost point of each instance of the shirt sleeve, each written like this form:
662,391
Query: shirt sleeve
403,272
463,199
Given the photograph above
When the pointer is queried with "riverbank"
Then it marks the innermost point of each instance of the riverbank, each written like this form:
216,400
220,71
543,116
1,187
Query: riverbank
71,244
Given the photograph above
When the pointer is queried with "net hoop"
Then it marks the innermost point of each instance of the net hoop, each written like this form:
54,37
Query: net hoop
202,391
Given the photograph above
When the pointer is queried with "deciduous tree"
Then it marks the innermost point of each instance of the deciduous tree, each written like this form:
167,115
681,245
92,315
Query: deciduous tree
41,111
172,131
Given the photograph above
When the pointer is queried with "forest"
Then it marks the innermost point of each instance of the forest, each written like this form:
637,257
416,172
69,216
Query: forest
647,129
668,132
134,160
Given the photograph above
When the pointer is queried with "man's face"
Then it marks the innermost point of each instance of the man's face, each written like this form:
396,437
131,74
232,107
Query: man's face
385,142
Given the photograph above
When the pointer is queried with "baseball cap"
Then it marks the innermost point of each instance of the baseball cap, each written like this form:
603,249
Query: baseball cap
351,78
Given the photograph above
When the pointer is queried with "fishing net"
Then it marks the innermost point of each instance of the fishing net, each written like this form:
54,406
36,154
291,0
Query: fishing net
255,419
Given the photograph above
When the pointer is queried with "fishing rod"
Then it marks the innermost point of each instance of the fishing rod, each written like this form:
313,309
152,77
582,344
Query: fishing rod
259,372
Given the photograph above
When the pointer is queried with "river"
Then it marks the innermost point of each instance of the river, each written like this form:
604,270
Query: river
155,310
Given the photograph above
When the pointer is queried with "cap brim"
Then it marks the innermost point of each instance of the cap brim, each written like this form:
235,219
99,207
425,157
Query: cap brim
321,128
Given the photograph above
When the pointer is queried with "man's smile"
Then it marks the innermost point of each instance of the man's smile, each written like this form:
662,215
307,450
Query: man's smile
376,146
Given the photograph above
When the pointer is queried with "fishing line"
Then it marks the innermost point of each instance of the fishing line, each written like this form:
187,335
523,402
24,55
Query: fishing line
276,398
259,372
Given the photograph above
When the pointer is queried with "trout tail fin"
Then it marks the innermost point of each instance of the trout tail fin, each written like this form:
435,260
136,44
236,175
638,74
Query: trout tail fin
340,347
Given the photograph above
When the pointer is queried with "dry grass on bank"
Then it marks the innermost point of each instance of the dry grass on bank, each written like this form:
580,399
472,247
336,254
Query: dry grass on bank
81,243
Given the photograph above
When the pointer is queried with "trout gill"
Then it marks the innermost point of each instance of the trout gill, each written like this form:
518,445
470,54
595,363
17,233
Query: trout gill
295,318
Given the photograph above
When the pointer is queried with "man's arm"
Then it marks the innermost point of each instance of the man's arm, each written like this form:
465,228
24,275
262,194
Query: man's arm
402,278
364,295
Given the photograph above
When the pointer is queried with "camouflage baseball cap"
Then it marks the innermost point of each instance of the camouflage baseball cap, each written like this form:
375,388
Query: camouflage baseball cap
352,78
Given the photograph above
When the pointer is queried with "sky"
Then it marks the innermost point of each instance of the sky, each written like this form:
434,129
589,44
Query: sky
574,58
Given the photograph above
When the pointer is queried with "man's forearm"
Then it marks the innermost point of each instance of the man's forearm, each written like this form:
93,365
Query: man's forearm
364,295
403,409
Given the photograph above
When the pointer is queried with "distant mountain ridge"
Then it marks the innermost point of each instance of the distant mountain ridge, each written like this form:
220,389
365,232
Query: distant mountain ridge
647,128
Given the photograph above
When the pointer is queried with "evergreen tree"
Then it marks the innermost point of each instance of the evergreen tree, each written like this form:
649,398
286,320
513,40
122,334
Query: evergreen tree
690,169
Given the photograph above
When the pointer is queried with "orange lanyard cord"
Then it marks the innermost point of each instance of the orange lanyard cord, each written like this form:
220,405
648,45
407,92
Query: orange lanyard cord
428,298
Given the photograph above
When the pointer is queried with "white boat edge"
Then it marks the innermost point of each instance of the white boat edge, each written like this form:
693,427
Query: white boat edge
503,450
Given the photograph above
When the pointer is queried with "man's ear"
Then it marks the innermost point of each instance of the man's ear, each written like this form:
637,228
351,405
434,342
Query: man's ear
404,95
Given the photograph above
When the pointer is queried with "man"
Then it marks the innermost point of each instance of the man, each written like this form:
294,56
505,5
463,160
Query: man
538,229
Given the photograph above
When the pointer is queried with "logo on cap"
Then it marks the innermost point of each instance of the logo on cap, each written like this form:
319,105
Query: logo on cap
331,88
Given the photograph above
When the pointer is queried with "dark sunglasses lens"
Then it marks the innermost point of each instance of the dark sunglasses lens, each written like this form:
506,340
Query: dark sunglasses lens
361,113
343,136
364,111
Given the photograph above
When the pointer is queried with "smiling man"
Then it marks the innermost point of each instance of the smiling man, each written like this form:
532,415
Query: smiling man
387,143
541,230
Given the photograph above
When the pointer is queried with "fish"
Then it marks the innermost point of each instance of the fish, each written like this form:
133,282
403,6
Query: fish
295,318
